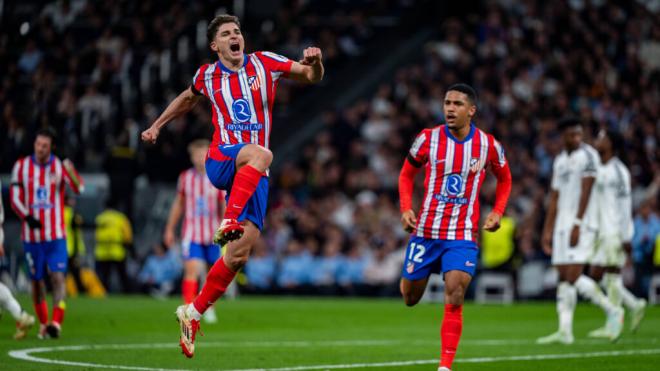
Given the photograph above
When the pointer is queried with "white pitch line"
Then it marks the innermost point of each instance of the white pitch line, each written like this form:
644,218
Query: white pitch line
26,354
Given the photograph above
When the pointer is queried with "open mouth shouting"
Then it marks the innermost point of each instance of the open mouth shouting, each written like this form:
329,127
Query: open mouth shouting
450,118
235,48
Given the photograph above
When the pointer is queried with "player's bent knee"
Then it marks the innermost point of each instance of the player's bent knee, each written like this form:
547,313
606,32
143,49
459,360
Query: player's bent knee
236,262
455,295
411,300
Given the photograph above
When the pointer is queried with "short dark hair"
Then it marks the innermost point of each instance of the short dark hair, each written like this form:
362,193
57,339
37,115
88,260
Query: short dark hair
617,141
218,21
568,122
465,89
47,132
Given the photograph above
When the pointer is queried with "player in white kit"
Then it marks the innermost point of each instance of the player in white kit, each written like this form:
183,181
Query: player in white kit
570,230
612,194
24,321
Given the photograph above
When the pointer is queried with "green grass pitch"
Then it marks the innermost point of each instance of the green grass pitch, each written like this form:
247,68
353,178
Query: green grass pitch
140,333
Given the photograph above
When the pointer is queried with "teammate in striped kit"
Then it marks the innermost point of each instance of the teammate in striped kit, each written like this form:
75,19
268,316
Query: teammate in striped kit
202,206
241,88
612,194
24,321
444,237
37,197
569,232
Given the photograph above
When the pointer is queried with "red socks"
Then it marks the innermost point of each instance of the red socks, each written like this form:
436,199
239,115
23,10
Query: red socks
189,290
58,313
452,325
219,277
41,309
246,181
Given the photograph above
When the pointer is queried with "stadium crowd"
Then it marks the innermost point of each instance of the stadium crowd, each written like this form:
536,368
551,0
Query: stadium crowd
333,221
532,63
97,71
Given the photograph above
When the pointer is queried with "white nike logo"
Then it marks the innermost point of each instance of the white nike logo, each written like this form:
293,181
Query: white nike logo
217,91
439,161
236,206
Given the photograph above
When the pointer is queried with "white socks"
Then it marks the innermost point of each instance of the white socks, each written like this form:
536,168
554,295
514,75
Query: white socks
589,289
617,292
8,302
566,300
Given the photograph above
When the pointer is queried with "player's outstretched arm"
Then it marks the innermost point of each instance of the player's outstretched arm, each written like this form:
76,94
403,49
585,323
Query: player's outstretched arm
179,106
310,68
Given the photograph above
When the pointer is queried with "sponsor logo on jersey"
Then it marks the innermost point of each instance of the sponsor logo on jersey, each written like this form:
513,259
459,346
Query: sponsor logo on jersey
241,109
42,199
451,200
454,184
244,127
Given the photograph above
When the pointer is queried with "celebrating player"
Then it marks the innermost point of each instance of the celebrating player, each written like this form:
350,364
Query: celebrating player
241,88
615,228
569,232
202,206
24,321
37,197
455,157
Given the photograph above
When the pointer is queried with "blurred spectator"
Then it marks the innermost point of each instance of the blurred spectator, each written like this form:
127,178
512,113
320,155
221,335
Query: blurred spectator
497,248
325,268
114,237
294,268
383,271
647,230
260,269
122,167
351,272
75,246
160,272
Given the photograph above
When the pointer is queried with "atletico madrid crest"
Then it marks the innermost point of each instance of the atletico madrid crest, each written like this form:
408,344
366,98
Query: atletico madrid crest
475,165
255,82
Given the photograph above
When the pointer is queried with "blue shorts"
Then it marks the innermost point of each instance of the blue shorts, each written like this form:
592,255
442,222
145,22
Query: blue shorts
39,254
208,253
426,256
221,168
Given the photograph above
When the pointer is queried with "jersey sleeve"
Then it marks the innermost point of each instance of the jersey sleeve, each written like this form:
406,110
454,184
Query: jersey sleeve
199,81
625,206
419,151
496,157
180,186
72,178
590,168
500,168
278,65
16,191
554,183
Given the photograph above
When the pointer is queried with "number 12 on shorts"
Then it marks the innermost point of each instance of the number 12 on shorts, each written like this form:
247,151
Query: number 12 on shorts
416,252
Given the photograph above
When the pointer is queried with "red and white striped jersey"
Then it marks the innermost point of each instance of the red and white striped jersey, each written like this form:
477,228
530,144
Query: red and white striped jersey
242,100
454,172
38,190
203,207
